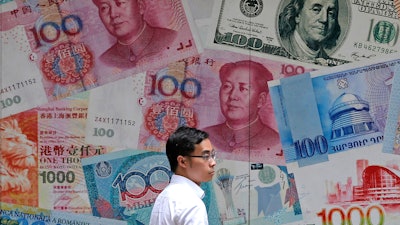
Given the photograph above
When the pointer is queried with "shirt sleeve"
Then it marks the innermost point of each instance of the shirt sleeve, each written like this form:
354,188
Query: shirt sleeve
192,213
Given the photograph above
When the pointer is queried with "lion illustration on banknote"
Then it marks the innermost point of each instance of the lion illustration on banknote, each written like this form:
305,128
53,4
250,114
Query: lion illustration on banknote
17,157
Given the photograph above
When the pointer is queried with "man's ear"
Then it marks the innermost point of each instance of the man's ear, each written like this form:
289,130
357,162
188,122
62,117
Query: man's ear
181,161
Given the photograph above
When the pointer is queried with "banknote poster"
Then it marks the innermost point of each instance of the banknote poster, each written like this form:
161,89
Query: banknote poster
334,148
123,185
364,189
189,93
41,153
391,143
326,33
73,46
21,86
19,159
20,214
271,189
330,111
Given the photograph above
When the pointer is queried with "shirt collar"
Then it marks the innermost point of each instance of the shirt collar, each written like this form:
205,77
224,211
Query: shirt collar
183,180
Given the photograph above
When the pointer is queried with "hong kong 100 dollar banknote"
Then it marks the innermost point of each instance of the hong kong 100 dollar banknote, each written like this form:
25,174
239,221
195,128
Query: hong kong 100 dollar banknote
331,124
54,49
124,185
21,214
41,152
143,110
327,33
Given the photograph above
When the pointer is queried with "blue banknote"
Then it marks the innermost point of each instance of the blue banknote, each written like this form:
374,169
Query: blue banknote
18,214
124,185
391,143
330,111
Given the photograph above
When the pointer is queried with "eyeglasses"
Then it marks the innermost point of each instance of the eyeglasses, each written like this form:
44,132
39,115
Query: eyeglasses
206,156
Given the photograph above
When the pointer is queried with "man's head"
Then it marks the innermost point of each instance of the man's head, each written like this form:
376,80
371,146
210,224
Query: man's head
316,21
187,150
243,91
122,18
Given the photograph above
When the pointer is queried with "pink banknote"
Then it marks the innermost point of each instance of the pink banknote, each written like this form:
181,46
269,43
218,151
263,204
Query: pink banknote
78,45
41,152
190,92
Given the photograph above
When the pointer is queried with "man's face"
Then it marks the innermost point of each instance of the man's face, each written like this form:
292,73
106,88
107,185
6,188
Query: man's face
316,21
201,170
122,18
239,96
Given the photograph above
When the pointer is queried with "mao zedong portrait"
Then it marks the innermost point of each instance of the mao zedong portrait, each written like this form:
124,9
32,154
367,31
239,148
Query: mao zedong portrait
242,94
136,39
308,28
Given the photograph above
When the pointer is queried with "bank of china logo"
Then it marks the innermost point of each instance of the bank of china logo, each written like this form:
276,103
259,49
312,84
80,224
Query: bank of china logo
251,8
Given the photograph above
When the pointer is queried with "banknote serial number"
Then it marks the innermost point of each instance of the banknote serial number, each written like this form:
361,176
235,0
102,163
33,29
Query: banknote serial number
353,215
114,121
373,48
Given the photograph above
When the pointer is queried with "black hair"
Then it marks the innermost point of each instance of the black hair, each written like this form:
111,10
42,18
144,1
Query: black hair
182,142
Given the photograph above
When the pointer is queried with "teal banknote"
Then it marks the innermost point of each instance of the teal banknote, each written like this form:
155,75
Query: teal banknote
271,195
391,143
330,111
12,214
124,184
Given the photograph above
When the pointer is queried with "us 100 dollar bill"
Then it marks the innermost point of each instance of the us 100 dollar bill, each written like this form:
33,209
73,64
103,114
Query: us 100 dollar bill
327,33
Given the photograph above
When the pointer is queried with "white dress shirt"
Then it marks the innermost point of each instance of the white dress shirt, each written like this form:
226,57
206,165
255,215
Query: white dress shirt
180,204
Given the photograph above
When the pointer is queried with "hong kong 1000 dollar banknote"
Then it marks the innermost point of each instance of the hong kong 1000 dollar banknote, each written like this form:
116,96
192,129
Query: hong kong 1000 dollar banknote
54,49
41,152
20,214
143,110
125,184
331,124
327,33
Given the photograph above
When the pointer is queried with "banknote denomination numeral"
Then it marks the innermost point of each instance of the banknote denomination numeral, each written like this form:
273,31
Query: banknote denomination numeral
61,177
289,70
189,88
307,147
101,132
70,25
242,41
383,32
10,101
347,217
158,174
